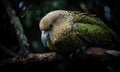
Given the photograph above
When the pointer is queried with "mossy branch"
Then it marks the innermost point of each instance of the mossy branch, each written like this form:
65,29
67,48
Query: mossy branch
24,55
15,21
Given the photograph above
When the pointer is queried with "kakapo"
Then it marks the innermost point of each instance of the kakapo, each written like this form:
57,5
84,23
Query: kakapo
65,31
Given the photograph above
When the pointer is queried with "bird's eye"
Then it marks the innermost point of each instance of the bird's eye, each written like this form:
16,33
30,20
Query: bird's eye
51,25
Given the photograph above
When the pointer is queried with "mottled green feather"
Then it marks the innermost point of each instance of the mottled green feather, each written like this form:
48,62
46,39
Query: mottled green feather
99,36
95,30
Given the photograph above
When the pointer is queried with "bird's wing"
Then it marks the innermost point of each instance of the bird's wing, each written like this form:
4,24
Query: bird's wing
87,18
92,29
94,35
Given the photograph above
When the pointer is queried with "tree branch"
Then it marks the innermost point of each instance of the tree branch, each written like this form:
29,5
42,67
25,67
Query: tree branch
41,57
15,21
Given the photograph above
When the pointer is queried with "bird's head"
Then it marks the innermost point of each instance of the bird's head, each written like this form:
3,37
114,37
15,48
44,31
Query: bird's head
54,26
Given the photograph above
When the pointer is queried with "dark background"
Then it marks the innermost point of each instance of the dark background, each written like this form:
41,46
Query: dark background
31,11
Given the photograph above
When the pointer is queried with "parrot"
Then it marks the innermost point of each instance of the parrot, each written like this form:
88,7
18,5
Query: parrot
65,31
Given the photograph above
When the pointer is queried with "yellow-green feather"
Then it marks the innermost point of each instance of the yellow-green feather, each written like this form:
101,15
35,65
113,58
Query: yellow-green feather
94,29
100,36
67,43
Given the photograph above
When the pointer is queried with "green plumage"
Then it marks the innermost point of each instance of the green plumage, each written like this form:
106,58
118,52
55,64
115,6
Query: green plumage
74,29
95,30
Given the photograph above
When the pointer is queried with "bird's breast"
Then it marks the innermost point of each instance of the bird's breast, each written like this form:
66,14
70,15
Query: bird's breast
64,41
